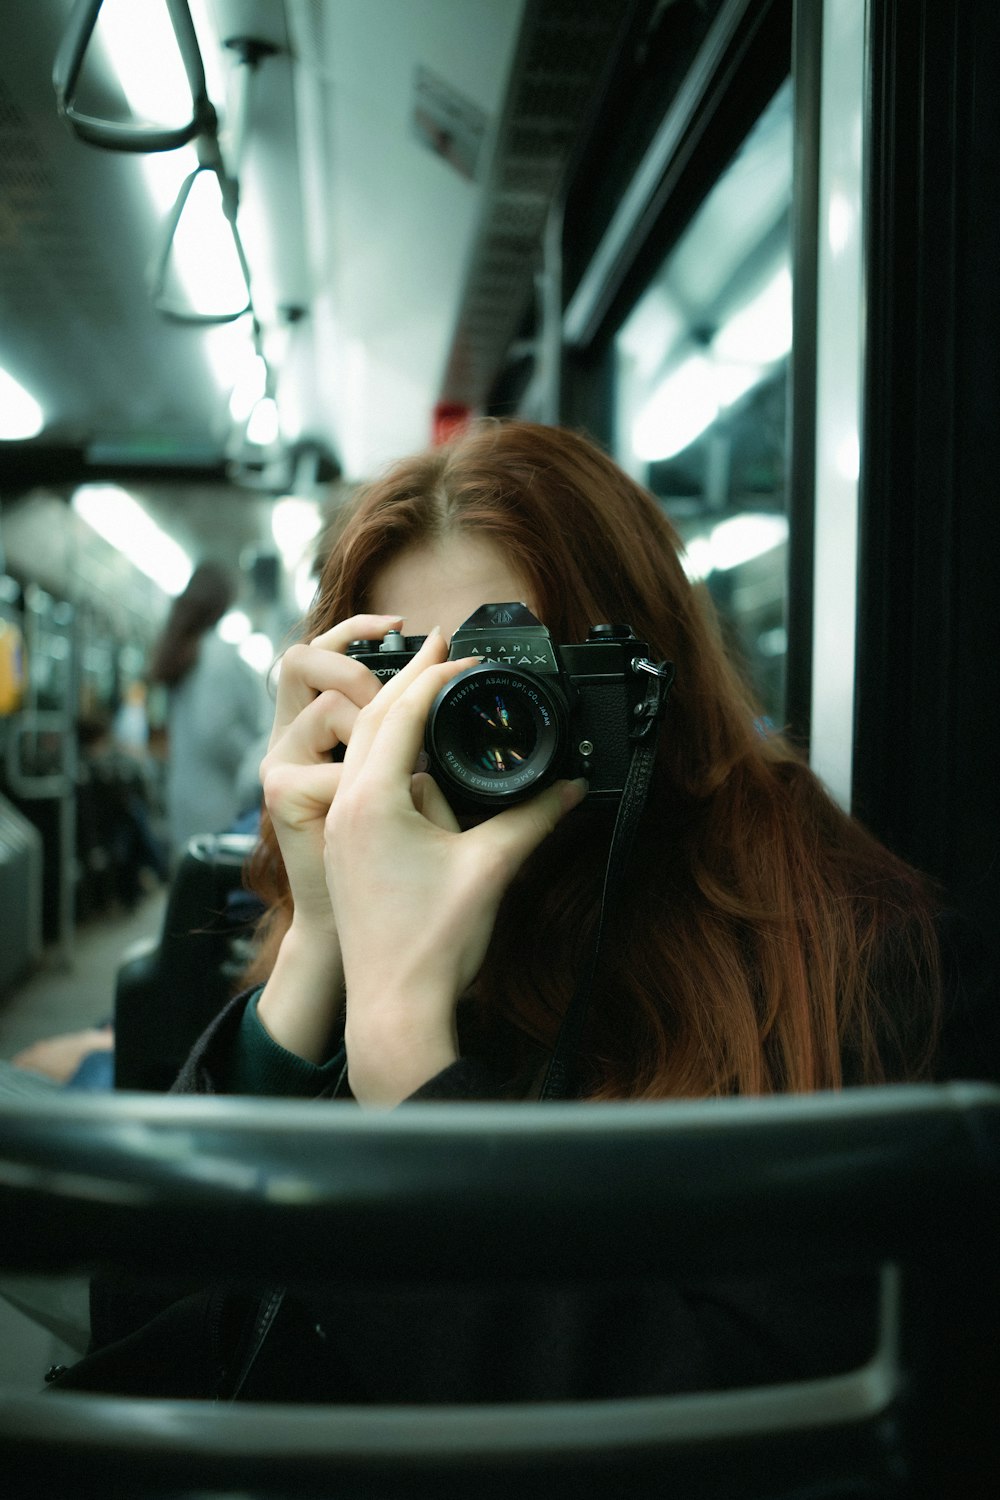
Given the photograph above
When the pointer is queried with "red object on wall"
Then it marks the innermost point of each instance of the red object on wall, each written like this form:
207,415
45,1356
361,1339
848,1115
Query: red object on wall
450,417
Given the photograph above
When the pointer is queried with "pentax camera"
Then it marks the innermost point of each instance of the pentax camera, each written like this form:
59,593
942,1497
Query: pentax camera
530,711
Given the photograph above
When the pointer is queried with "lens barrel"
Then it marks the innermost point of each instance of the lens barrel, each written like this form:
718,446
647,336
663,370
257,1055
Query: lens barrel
496,734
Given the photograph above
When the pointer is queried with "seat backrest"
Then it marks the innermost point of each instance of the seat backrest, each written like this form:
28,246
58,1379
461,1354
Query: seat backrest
166,998
905,1179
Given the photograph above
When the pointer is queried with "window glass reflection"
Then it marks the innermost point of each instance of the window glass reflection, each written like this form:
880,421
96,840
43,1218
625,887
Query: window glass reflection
701,374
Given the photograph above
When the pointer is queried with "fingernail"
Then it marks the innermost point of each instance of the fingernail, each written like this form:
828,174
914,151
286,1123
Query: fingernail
573,792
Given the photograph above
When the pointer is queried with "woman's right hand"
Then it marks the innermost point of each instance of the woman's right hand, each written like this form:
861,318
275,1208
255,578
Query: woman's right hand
320,693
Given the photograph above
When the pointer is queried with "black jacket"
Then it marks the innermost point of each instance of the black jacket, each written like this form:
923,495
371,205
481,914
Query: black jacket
498,1342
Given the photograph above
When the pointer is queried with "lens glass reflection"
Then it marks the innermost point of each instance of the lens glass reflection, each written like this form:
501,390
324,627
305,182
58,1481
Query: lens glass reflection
498,732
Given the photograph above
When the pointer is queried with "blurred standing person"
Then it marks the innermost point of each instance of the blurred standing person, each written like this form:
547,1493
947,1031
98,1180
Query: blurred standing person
217,708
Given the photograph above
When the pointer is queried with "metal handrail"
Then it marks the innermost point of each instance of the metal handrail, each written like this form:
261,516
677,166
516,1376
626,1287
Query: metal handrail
294,1192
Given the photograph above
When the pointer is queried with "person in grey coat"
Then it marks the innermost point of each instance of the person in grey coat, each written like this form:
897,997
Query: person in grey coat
218,709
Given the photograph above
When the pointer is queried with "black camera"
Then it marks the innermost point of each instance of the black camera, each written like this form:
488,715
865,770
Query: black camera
531,712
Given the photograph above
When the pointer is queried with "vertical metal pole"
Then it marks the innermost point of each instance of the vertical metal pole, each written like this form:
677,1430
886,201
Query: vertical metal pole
840,356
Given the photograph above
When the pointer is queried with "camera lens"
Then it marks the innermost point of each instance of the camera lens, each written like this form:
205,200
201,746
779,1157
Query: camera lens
495,734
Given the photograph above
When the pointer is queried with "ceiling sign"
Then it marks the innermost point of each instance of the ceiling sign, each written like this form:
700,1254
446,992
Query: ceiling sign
449,123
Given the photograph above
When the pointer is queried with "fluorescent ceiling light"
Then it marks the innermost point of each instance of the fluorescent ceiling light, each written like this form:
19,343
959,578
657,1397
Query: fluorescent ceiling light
295,522
697,558
652,330
741,538
733,542
119,518
263,427
686,403
258,651
234,627
678,411
20,414
139,40
689,400
761,332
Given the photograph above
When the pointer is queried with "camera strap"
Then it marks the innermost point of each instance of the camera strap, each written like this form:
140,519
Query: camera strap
559,1077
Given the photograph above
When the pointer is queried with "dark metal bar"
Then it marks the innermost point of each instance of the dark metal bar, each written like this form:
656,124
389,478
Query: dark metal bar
308,1191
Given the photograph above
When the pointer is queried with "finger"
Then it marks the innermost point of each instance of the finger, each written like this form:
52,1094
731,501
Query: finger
324,723
309,669
392,691
430,801
389,733
297,794
518,832
356,628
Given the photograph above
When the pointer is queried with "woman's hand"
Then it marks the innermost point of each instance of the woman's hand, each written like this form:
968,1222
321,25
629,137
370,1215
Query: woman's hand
320,694
416,897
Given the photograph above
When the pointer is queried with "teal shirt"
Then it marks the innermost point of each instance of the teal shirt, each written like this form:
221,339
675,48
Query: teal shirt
261,1066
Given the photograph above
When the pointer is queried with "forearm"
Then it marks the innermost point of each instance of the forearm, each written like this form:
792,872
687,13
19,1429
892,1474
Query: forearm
303,998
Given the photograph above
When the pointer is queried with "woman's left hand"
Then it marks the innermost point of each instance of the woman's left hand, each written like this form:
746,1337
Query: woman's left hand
416,897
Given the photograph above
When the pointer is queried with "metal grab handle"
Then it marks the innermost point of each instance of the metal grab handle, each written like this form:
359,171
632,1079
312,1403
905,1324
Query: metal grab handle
114,136
229,189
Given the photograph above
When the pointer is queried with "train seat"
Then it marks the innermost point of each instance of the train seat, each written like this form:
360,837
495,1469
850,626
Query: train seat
902,1178
167,993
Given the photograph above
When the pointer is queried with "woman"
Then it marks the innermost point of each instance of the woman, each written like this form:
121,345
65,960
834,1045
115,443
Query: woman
763,940
218,708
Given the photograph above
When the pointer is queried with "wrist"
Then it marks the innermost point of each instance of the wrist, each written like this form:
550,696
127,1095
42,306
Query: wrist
304,995
313,945
393,1049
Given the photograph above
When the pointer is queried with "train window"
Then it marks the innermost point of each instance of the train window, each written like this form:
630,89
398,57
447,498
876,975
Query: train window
701,367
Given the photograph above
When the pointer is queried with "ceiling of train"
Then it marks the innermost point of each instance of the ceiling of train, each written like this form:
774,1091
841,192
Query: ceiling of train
360,172
395,159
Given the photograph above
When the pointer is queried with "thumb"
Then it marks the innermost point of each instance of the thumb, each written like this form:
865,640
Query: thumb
521,829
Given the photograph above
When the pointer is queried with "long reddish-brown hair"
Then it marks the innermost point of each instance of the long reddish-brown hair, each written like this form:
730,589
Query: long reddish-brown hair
763,940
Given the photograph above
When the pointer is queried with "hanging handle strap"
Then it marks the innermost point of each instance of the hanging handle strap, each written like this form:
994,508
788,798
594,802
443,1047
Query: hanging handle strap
110,134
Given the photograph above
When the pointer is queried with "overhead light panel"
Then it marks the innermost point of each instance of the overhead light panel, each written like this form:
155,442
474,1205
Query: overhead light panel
295,523
21,416
141,43
119,518
740,539
760,333
234,627
263,426
731,543
258,652
691,397
686,403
